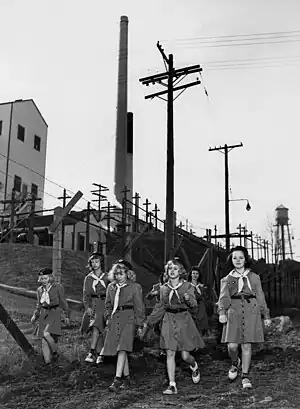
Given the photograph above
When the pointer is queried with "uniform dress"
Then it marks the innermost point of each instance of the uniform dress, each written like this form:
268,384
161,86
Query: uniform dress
178,329
94,292
50,303
124,308
243,301
199,312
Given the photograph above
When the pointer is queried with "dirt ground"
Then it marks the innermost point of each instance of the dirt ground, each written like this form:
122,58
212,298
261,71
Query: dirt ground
69,385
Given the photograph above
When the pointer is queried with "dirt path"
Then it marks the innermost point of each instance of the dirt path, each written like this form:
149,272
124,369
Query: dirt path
275,378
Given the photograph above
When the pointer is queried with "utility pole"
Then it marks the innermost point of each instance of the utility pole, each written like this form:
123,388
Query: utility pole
100,198
30,219
226,149
64,198
173,77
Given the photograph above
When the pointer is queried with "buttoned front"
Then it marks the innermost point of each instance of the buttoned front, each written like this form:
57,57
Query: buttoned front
178,330
244,322
94,298
129,314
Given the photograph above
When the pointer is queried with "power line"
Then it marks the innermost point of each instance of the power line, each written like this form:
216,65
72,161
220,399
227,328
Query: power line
251,35
208,45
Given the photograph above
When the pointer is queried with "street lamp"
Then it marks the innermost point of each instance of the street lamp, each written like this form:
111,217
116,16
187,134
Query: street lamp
248,206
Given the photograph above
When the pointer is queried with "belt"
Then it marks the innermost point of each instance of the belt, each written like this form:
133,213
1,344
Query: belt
243,297
50,307
125,307
175,310
102,296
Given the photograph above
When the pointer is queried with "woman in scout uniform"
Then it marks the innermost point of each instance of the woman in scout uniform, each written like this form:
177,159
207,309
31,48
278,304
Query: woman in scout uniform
50,302
94,292
124,312
240,306
178,330
155,291
199,312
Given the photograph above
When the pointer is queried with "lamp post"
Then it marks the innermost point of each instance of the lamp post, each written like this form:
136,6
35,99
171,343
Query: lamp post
248,208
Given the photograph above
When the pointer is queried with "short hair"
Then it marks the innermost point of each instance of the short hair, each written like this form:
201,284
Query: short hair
246,255
179,264
97,255
195,268
131,276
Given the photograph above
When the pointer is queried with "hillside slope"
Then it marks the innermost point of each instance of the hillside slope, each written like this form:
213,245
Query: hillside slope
20,264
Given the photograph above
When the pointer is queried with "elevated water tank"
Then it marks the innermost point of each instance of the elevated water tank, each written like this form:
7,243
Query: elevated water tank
282,215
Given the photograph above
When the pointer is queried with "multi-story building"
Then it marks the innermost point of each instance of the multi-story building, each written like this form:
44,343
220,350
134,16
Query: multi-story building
23,143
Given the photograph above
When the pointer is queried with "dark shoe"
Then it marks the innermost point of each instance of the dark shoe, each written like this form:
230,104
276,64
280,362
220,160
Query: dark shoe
125,383
115,386
55,356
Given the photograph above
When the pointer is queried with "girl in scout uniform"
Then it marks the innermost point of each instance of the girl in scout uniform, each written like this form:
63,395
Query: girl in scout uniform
240,306
50,302
94,292
199,312
178,330
124,312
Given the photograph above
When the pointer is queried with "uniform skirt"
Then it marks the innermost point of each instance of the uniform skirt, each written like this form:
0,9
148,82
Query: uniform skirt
244,323
200,316
49,321
96,319
179,332
120,333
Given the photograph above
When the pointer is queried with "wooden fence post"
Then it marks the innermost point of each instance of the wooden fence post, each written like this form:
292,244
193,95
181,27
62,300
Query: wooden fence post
57,239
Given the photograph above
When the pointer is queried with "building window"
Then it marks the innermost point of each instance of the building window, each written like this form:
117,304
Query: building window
17,183
34,190
24,189
1,123
37,143
21,133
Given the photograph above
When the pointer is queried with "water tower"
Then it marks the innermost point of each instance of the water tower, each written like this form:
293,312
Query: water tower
283,244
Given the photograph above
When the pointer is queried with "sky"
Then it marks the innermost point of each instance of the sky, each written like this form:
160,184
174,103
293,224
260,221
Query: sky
64,55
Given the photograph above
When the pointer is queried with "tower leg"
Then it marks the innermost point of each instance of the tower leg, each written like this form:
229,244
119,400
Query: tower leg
290,242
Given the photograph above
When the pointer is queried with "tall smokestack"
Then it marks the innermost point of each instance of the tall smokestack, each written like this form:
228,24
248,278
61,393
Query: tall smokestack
121,127
129,156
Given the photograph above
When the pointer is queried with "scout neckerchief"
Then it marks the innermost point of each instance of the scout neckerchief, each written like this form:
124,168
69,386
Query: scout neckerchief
97,280
45,298
197,286
117,296
174,291
241,277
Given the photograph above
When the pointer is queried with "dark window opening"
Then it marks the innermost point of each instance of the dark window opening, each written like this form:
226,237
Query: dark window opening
17,183
37,143
34,190
21,133
1,123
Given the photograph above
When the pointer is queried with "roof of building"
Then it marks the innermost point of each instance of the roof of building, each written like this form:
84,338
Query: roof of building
45,221
26,100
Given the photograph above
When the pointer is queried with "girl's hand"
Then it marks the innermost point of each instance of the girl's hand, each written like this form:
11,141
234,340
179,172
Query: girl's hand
155,292
186,297
223,319
33,319
89,311
140,332
267,322
67,320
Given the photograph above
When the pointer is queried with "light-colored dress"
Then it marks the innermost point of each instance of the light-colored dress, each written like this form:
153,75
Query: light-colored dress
244,322
178,329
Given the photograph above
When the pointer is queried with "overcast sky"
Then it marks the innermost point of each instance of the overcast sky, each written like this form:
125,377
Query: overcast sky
64,55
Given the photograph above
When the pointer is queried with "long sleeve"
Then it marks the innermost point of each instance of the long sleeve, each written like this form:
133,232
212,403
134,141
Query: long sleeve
260,296
152,294
158,311
62,299
108,305
37,310
86,294
192,302
224,298
139,308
